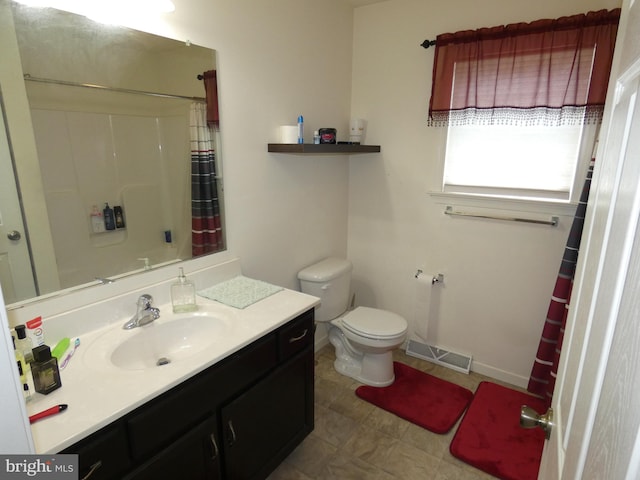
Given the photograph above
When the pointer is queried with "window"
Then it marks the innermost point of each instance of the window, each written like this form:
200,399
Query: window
520,103
537,162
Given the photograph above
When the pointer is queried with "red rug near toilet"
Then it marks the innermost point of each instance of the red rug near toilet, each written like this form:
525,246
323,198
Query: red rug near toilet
420,398
490,437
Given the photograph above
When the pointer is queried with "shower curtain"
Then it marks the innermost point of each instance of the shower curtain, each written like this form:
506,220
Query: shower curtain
206,225
543,374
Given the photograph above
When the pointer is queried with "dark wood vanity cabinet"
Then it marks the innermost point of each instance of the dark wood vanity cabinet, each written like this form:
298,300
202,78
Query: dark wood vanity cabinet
236,420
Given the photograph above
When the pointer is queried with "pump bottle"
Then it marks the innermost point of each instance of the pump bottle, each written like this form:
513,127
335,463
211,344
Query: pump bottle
183,294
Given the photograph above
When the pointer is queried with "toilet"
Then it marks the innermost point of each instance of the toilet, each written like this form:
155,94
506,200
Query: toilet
363,337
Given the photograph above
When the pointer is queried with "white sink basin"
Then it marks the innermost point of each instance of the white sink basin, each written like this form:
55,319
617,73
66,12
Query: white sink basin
171,339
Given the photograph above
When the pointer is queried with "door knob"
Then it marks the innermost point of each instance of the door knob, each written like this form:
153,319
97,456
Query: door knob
14,235
529,418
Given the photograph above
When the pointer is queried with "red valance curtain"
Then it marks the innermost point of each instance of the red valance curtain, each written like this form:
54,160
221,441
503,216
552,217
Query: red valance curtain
550,72
211,91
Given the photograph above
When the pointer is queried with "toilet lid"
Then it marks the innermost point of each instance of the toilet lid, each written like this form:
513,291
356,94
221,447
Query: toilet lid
374,323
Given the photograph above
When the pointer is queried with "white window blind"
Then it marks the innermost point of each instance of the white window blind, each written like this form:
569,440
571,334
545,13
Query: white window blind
513,161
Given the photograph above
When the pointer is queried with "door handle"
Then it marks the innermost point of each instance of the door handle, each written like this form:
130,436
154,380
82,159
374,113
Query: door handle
232,439
14,235
92,469
299,337
529,418
214,446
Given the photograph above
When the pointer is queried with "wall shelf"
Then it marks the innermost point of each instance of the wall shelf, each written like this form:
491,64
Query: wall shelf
328,148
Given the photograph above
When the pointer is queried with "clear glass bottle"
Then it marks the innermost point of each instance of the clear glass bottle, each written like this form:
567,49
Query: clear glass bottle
44,369
183,294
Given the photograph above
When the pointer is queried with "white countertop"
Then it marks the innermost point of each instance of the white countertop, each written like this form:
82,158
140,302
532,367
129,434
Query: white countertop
97,392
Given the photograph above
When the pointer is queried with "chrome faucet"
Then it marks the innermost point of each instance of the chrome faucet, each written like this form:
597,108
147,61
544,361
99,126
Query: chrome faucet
145,313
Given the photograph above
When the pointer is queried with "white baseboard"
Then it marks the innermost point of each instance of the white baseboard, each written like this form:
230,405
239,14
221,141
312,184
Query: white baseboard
321,338
496,373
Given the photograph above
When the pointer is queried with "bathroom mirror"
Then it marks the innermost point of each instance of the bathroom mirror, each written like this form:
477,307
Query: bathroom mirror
73,146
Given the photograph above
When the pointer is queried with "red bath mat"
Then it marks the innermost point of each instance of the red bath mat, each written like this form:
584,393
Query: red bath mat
490,437
420,398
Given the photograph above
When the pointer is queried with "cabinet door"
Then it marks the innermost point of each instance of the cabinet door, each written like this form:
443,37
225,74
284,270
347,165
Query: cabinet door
103,455
265,424
195,456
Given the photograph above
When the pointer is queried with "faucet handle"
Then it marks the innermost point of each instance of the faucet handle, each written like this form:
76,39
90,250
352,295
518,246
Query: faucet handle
145,301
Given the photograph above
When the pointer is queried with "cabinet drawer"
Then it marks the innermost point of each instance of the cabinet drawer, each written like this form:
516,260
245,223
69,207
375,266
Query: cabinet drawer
106,452
247,366
296,335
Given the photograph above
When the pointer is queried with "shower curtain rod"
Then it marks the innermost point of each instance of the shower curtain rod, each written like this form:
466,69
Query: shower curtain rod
29,78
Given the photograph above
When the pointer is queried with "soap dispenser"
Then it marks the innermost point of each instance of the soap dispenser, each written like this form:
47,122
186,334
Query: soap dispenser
183,294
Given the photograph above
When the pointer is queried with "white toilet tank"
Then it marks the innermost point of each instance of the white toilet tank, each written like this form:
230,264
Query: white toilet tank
330,280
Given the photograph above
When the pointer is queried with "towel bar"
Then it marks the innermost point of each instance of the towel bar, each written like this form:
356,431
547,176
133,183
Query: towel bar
552,222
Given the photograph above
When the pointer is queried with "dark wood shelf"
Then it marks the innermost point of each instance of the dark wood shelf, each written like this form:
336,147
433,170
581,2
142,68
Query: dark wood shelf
328,148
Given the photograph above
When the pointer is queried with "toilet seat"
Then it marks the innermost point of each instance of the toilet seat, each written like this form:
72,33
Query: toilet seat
374,323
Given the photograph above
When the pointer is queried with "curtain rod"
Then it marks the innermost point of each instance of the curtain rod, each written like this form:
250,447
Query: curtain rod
428,43
29,78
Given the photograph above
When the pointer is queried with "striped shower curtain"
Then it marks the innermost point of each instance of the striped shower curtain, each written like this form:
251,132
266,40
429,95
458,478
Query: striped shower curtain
206,225
545,366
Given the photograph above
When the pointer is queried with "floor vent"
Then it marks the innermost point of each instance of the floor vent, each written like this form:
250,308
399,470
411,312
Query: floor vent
455,361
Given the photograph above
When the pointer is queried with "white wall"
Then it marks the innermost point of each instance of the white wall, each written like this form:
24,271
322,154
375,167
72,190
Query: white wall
498,275
284,58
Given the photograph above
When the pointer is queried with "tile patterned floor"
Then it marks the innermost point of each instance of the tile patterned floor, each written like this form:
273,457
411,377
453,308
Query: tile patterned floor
353,439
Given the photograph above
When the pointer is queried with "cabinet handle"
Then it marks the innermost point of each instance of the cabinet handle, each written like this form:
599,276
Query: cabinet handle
297,339
214,447
232,440
92,469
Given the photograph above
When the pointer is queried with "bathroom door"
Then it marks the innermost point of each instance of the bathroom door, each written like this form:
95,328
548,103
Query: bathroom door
596,431
16,274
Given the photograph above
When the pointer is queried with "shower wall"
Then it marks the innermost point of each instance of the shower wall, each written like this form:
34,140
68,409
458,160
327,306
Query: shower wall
141,163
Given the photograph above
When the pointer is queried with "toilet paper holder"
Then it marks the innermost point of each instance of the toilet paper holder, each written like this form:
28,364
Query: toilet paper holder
439,278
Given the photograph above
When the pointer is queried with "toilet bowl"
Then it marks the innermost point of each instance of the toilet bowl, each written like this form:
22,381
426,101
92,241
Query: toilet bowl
364,337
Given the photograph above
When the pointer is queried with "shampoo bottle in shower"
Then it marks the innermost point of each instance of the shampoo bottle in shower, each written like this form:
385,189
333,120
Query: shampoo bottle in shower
97,221
109,219
183,294
119,217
